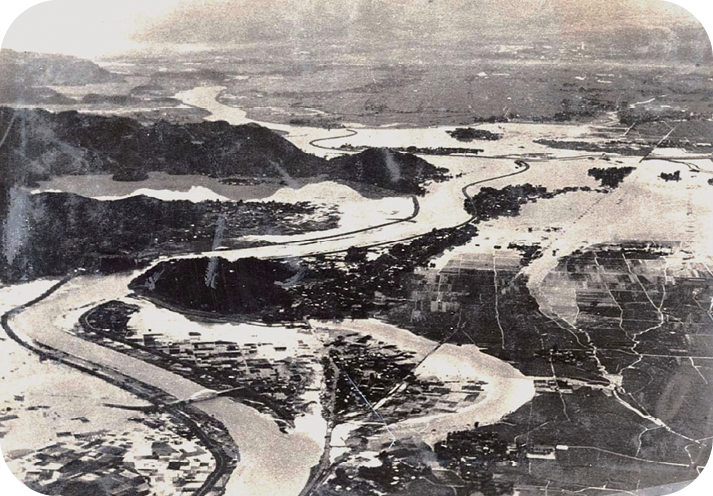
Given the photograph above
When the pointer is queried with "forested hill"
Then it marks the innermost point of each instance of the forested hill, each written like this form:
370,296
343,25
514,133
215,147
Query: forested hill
389,169
41,144
54,233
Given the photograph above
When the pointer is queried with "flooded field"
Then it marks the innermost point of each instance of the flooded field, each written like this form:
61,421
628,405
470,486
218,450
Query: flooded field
505,389
260,442
642,207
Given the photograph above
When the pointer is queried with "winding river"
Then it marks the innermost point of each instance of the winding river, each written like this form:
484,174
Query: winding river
274,463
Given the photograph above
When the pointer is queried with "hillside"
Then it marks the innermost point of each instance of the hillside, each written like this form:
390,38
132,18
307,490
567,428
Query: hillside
42,144
53,233
246,286
25,76
48,234
384,168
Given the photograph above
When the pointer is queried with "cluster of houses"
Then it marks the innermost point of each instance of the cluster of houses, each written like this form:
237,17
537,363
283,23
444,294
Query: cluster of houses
157,461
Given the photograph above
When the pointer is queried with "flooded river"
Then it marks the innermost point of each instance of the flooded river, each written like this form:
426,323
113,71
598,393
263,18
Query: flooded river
273,463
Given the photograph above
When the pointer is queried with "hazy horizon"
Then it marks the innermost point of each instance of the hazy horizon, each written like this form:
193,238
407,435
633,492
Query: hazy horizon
649,29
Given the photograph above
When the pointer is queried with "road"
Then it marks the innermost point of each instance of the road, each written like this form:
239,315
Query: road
351,132
139,389
275,463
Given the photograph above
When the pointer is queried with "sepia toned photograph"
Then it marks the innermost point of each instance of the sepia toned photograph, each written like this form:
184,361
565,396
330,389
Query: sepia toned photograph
356,247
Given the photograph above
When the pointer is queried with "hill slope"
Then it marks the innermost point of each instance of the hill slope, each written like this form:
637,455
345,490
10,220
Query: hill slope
41,144
24,76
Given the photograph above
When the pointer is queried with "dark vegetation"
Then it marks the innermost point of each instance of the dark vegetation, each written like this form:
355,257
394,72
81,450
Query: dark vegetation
591,413
391,475
316,287
320,286
112,317
332,292
323,289
246,286
610,177
53,233
40,145
25,76
441,150
495,118
385,168
674,176
491,203
468,134
473,455
527,252
621,147
365,370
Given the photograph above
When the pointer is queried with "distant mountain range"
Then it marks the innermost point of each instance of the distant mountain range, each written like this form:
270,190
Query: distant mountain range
437,32
25,76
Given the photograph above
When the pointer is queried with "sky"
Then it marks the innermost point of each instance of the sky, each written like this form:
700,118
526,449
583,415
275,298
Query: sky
84,28
98,28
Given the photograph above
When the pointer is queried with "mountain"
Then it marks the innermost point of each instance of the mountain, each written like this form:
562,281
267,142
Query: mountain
53,233
41,144
43,69
25,76
47,234
387,169
246,286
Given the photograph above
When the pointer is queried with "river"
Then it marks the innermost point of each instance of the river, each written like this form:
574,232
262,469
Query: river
274,463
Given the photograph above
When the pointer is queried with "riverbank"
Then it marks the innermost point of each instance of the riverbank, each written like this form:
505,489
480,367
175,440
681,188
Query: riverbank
207,430
271,462
505,389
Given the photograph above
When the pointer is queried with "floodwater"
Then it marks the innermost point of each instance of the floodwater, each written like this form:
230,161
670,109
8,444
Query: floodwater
273,463
507,389
158,185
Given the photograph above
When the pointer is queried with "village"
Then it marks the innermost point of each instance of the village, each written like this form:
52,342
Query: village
165,459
